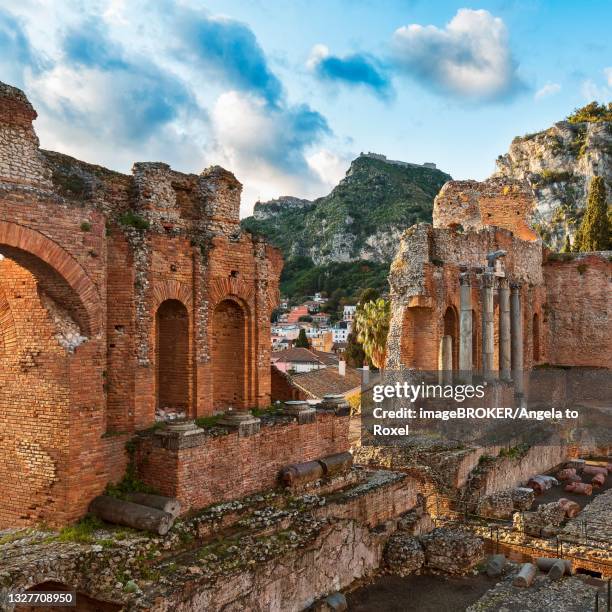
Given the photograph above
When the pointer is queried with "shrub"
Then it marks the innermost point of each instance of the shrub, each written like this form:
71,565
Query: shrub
132,219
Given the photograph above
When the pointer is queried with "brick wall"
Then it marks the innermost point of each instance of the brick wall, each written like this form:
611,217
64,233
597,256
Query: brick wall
105,251
498,202
201,469
282,389
578,321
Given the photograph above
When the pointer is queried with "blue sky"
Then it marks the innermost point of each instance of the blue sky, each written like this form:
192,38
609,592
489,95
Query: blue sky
285,93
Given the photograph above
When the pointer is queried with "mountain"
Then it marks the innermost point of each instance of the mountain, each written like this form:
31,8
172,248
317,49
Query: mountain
559,163
353,232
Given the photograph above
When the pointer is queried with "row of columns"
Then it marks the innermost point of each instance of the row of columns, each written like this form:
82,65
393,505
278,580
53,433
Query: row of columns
510,327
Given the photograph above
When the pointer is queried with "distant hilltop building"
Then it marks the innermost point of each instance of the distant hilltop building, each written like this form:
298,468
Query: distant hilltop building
397,162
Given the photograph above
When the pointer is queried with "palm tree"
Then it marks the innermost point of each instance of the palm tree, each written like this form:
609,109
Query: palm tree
372,325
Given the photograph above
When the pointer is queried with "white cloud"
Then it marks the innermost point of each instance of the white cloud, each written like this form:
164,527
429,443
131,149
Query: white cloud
550,89
608,73
470,57
82,113
328,166
593,91
266,146
319,52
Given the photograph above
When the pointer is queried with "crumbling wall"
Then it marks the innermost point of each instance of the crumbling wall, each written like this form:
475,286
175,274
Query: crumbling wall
498,201
424,281
105,250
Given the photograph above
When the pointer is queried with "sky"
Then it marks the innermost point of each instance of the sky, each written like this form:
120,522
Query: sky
285,93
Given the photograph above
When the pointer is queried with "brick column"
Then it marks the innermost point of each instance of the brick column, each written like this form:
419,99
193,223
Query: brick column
488,326
465,327
504,329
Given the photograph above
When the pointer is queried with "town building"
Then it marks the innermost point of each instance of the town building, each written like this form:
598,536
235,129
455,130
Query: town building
349,312
300,359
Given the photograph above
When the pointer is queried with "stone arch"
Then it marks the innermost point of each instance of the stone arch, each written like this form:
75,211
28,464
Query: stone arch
536,338
418,348
56,271
84,603
231,349
451,328
172,356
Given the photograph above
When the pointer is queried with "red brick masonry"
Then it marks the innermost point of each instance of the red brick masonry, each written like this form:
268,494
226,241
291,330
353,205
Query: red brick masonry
200,469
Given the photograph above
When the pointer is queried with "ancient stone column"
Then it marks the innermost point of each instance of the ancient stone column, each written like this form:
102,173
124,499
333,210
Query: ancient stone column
445,360
504,329
516,337
465,326
488,325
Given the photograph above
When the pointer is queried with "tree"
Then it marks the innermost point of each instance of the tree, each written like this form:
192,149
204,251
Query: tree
567,247
368,295
592,112
354,354
302,340
372,324
594,231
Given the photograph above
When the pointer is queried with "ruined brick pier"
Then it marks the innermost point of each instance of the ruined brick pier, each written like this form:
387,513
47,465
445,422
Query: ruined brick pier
119,295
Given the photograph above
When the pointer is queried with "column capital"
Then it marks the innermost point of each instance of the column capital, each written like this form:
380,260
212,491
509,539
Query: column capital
515,286
503,282
465,278
487,280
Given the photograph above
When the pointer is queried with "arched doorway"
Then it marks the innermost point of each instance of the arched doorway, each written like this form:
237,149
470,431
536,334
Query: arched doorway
536,338
451,328
172,356
229,355
51,376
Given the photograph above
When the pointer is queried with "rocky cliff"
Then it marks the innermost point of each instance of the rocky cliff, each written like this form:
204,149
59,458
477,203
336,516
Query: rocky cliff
361,219
559,163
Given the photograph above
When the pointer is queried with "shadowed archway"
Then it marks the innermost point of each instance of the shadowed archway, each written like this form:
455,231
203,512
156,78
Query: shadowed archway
229,355
172,355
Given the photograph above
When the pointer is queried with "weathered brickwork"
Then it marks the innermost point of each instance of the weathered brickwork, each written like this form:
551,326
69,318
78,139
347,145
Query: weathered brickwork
119,294
495,202
200,469
564,301
578,324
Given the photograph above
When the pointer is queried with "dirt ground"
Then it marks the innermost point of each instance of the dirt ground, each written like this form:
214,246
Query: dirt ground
419,594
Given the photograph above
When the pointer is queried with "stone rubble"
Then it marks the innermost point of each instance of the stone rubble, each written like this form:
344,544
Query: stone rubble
452,551
404,554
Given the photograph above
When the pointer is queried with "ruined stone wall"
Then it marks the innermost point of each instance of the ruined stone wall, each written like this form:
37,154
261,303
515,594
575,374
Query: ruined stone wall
498,202
506,473
424,281
579,325
200,469
104,251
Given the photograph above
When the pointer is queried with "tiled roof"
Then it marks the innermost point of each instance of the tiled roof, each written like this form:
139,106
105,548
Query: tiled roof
318,383
297,355
326,358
